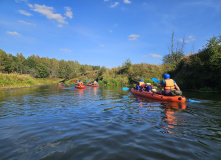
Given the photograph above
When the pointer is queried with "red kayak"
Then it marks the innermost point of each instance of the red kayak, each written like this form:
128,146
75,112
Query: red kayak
80,87
95,85
158,96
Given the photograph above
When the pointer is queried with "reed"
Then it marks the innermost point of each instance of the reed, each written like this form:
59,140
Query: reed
14,80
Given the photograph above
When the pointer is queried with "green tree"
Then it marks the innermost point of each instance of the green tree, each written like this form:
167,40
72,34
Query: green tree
125,67
62,69
100,73
42,70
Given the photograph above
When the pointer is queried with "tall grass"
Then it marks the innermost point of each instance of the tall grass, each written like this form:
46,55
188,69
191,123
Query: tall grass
14,80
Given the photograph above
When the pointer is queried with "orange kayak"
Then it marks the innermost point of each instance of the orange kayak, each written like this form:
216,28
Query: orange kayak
158,96
80,87
95,85
61,84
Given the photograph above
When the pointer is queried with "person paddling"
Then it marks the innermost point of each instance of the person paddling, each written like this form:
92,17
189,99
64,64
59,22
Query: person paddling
140,84
80,83
169,85
95,82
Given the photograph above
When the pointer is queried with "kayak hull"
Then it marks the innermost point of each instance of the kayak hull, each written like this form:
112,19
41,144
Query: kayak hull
158,96
80,87
61,84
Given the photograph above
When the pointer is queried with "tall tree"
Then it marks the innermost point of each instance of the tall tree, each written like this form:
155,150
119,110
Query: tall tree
174,56
43,70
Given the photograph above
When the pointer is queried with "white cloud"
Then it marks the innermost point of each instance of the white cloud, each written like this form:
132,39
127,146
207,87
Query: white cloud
48,12
60,25
24,13
31,24
68,13
190,39
101,45
144,56
14,33
115,4
30,5
127,1
133,37
66,50
155,55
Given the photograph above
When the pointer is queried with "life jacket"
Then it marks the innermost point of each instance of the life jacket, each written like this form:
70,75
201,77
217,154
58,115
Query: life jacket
80,83
141,83
169,85
95,82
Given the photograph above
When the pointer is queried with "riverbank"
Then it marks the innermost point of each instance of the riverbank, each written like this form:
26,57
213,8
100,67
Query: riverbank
14,80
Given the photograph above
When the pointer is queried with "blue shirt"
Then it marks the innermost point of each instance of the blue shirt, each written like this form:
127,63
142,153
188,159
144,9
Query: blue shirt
149,88
164,83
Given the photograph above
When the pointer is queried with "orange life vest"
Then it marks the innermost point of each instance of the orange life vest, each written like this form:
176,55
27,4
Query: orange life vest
141,83
170,85
80,83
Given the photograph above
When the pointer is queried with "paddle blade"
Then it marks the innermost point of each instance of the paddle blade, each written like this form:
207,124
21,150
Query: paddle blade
87,81
74,80
191,100
72,84
155,80
125,88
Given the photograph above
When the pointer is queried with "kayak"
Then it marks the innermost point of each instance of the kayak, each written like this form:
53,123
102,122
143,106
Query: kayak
80,87
89,84
158,96
95,85
61,84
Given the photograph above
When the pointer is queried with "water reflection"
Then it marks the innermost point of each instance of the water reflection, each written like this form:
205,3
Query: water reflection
168,113
171,116
95,90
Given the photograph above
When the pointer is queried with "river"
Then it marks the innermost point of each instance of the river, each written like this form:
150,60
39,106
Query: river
50,122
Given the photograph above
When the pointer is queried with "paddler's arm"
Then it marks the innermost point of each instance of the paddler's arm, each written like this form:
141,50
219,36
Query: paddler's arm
177,87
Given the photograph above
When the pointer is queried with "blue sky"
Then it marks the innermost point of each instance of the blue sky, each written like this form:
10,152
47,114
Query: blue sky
106,32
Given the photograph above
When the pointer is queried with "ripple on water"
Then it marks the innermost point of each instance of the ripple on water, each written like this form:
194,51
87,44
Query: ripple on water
56,123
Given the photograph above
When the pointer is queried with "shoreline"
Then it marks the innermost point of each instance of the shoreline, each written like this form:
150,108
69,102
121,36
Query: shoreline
11,88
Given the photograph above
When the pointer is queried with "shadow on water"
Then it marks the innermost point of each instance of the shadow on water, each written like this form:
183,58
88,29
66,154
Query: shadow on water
51,122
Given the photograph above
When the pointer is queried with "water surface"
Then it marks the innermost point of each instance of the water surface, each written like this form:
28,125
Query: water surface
51,122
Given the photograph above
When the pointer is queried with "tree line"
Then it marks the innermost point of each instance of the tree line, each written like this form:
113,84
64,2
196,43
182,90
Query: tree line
42,67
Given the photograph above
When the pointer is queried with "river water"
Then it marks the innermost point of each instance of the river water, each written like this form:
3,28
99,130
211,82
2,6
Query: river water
51,122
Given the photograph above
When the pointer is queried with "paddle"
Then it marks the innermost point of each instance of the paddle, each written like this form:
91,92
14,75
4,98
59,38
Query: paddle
191,100
73,84
125,88
156,80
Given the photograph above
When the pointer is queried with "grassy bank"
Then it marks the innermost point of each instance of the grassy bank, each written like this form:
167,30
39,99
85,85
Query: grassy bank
15,80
